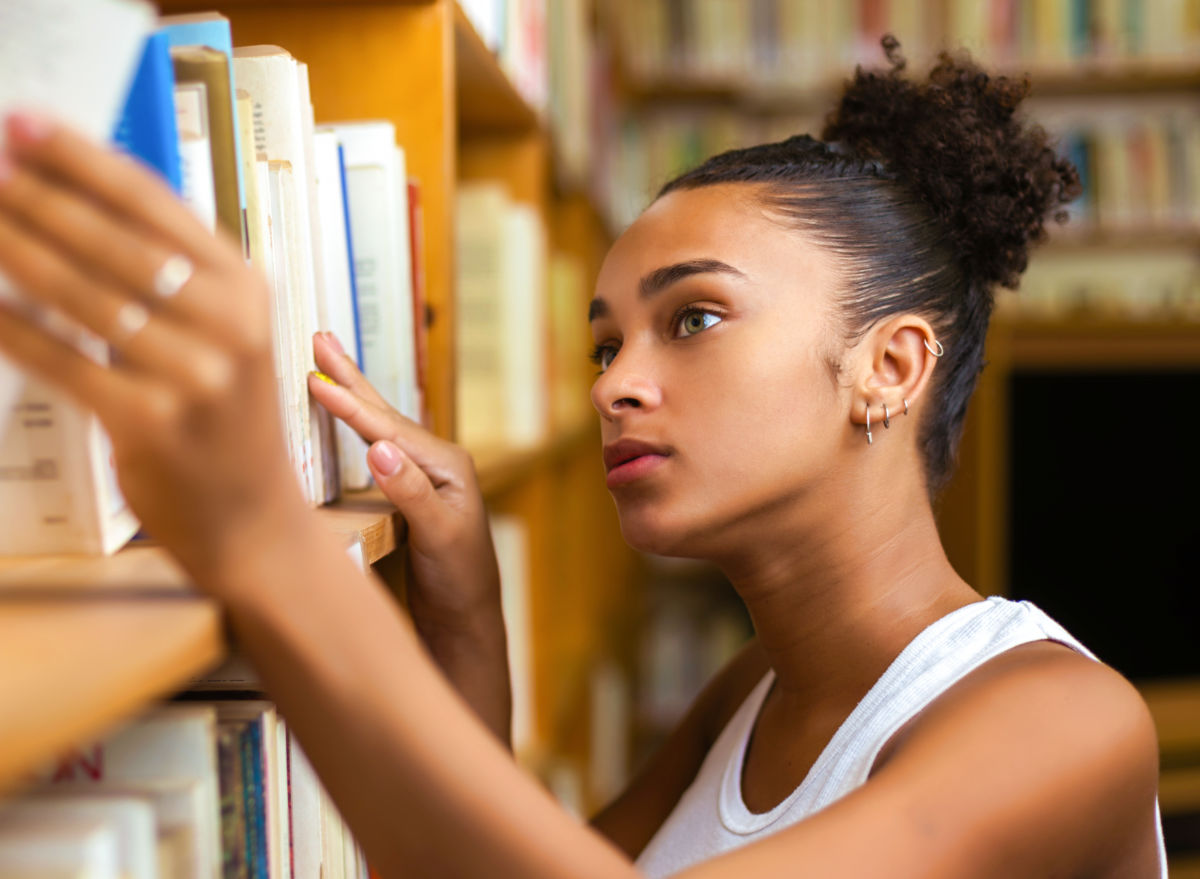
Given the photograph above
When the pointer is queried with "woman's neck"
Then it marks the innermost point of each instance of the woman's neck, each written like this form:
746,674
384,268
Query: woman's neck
838,586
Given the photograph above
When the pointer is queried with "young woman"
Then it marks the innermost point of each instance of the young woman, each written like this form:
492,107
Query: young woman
787,339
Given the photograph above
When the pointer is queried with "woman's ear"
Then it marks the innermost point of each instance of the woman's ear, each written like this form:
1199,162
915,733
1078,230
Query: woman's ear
898,357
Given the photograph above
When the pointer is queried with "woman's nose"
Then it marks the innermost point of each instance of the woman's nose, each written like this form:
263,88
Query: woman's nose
624,387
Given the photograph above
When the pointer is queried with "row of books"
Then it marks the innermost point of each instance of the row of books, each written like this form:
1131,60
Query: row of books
516,31
808,43
1150,283
1139,164
651,146
521,311
209,789
694,626
325,212
547,52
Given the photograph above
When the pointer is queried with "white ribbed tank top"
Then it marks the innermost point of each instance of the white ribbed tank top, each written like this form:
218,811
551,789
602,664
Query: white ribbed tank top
711,818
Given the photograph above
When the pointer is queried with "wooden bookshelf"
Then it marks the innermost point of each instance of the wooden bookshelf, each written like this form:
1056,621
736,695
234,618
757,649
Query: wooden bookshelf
1083,79
143,569
88,642
74,668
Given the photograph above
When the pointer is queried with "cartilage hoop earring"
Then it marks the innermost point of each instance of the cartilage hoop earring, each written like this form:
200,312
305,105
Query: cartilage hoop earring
906,407
938,352
886,421
870,440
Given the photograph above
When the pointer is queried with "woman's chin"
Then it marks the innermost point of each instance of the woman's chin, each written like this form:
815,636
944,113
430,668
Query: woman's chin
657,537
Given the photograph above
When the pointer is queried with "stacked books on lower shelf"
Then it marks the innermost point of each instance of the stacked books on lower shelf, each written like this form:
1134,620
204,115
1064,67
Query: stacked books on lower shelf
325,212
189,790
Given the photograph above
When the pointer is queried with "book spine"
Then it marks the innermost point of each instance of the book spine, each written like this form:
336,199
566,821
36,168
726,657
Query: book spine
147,125
255,800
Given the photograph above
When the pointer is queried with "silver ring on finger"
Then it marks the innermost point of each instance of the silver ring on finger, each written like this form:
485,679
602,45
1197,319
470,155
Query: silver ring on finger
131,319
172,275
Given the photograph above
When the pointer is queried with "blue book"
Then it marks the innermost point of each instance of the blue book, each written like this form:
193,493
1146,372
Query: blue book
208,29
146,128
358,352
1080,36
255,793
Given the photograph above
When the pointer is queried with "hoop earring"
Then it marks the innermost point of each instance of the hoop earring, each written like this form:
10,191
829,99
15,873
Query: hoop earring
906,407
869,439
886,421
940,349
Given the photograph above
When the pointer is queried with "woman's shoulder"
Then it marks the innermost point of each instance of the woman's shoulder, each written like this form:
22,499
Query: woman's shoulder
1046,748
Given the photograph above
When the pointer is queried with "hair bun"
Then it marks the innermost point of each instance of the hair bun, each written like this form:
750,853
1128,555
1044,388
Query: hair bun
989,178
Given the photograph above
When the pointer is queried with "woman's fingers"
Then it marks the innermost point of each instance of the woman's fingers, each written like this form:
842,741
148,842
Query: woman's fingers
408,487
105,391
108,249
370,421
156,346
334,362
444,464
116,182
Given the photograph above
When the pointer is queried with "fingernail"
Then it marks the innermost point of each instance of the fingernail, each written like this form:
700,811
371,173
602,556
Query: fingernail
28,126
323,377
385,457
333,340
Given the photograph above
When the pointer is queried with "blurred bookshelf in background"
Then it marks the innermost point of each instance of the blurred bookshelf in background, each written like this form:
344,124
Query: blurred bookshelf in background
1115,82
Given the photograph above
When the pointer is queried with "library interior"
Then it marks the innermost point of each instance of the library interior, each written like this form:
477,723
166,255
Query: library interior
437,183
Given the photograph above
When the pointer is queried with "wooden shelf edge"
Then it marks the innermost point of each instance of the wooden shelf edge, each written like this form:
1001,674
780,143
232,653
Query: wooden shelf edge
486,101
369,516
1096,342
1080,76
81,687
143,569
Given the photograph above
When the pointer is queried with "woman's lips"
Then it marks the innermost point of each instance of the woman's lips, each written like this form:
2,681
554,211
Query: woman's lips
634,469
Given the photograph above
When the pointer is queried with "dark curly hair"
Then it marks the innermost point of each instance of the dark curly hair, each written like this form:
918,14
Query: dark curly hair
932,194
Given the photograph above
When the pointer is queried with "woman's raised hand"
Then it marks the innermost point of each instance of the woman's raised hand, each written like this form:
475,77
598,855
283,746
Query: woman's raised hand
454,591
190,399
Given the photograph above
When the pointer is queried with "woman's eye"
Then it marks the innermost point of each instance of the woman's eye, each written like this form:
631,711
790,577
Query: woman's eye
695,321
602,356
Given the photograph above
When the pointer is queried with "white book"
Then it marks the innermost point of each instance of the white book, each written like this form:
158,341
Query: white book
523,298
405,327
511,540
132,819
379,237
74,61
306,826
480,209
179,808
338,299
58,490
172,745
37,846
322,422
198,184
271,78
265,257
290,325
58,485
333,861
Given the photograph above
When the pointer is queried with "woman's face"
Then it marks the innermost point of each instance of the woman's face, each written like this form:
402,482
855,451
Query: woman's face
714,328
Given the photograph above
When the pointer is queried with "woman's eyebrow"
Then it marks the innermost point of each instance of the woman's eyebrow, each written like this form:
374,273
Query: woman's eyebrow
661,278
